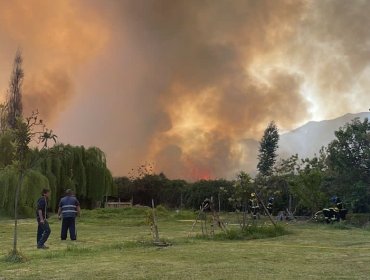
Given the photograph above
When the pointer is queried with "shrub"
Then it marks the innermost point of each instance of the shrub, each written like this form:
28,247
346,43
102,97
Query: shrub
252,232
161,209
15,257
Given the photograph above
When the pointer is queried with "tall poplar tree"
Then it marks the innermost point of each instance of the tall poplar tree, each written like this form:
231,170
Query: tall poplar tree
267,151
14,102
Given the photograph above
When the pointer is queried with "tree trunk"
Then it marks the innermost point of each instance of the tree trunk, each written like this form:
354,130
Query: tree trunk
156,233
15,238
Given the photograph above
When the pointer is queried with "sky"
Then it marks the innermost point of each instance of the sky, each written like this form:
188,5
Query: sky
184,84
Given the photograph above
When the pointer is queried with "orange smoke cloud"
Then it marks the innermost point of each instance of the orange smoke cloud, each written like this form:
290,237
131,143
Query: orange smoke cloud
186,95
56,38
214,100
189,85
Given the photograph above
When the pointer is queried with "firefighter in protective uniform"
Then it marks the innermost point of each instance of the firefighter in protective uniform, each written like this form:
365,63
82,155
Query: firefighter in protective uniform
270,205
254,206
206,205
340,212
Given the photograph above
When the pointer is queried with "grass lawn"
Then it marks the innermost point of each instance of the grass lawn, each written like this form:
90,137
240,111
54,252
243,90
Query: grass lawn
115,244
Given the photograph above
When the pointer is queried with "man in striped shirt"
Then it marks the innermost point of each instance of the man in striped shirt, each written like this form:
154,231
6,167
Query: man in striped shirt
69,208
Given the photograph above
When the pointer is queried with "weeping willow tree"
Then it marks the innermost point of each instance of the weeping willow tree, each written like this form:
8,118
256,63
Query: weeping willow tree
74,167
79,171
28,194
58,168
99,181
86,172
8,181
30,191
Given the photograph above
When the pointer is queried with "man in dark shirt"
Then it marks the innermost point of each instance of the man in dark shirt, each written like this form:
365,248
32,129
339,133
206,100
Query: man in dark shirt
43,229
69,208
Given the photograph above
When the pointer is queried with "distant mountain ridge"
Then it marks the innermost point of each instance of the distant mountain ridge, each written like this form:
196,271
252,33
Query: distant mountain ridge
307,140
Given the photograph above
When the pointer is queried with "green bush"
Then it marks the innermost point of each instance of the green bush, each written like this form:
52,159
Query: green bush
161,209
252,232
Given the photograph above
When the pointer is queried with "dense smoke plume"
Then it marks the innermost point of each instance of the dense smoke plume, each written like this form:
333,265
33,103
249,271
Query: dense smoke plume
56,38
186,84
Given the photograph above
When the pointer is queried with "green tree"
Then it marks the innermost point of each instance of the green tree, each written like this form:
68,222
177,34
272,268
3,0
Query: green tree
125,188
349,154
242,188
348,162
196,192
19,132
24,132
308,188
3,117
300,184
293,165
99,180
172,193
6,148
285,172
74,167
267,151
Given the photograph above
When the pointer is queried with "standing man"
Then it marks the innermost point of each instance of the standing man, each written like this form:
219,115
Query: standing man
43,229
69,208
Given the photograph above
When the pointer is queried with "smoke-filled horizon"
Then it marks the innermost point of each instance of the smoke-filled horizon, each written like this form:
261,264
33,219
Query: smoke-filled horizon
186,84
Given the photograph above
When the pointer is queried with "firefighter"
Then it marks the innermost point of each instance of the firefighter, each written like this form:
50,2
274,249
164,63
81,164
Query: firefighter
340,212
206,205
339,203
254,206
270,205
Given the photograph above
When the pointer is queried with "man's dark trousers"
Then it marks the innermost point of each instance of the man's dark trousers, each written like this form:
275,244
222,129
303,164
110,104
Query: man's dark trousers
43,232
68,224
